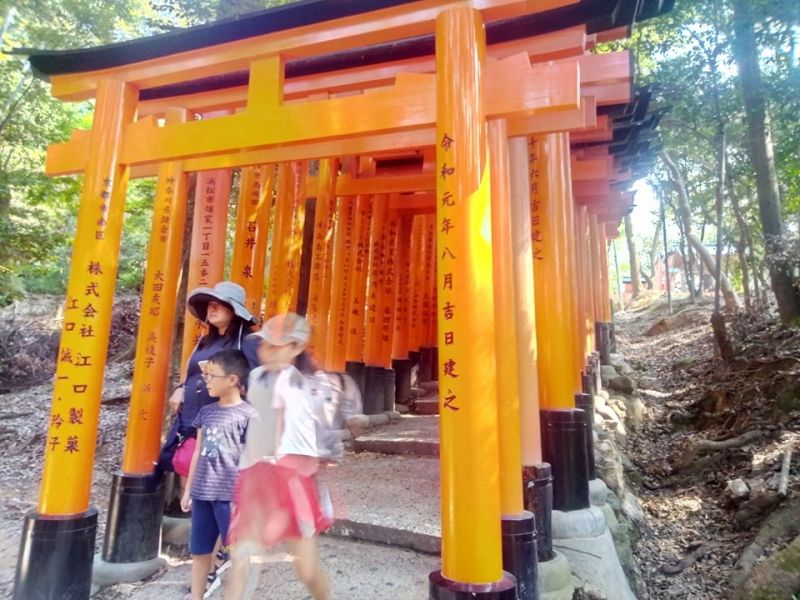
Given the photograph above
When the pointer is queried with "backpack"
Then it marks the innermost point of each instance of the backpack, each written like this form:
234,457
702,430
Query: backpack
339,401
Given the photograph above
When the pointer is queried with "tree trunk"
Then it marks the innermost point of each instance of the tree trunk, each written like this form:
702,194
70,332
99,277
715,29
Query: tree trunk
741,245
723,342
648,281
745,51
701,284
685,256
720,196
633,259
654,250
687,272
731,301
666,256
741,249
5,200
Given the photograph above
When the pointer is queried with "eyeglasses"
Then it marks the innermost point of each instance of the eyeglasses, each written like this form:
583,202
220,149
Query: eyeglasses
212,376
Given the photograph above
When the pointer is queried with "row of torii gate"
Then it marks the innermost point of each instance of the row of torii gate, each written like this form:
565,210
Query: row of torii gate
469,160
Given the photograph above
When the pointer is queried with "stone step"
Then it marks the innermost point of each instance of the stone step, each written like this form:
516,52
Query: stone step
415,435
425,406
390,536
387,446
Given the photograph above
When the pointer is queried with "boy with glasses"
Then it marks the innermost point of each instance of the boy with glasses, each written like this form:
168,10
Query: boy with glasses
221,428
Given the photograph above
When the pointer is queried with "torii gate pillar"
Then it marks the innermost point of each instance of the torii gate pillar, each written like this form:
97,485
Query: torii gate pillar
471,546
58,537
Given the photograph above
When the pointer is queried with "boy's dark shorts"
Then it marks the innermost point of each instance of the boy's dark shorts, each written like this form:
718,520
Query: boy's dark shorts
210,518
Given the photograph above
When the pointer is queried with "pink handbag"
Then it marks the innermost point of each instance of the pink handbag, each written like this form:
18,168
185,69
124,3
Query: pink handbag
182,459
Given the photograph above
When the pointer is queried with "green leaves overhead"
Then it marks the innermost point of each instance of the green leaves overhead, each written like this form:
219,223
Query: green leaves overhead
37,213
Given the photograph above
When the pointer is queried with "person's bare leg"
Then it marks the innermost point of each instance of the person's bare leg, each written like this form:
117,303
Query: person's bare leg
236,581
215,551
201,565
308,567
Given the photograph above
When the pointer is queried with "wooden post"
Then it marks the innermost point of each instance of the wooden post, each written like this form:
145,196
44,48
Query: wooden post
471,550
319,292
391,274
505,323
375,281
429,299
416,288
341,276
571,283
586,285
61,532
133,525
400,340
207,255
527,359
358,288
287,239
555,321
157,318
252,233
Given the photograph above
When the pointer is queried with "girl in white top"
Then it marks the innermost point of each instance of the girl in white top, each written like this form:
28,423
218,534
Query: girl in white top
276,498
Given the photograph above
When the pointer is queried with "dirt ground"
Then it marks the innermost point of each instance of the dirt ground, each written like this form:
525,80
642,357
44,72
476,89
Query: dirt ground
27,362
693,539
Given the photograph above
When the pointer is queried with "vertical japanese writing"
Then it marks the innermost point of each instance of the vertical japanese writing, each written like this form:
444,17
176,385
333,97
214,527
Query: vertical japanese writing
389,283
358,302
295,245
104,201
250,201
417,256
207,230
536,200
403,288
346,220
165,210
447,228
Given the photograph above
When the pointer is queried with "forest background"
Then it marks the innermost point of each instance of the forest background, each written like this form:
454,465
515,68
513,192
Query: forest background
726,73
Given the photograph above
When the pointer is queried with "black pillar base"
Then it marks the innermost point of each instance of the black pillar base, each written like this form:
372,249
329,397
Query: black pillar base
133,532
413,356
585,402
388,389
55,557
564,447
435,364
374,390
587,386
519,553
402,380
357,370
537,482
602,339
426,364
441,588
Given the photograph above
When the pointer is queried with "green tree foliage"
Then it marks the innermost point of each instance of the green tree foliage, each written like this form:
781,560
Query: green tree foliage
688,55
37,213
185,13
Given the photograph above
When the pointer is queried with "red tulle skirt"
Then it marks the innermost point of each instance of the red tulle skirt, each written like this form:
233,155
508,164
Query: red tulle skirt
276,502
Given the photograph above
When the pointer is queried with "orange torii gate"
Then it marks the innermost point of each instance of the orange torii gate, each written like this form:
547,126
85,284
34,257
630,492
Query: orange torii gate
150,121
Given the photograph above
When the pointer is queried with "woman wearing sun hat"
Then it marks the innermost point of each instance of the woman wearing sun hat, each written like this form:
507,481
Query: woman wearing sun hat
229,323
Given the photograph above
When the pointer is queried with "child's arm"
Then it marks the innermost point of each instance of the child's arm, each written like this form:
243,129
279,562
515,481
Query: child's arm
186,500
